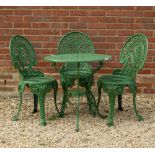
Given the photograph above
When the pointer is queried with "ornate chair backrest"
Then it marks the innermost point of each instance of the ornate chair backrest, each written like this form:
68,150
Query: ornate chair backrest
75,42
22,55
133,54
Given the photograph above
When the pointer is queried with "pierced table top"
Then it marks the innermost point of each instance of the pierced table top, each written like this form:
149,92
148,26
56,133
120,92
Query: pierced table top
77,57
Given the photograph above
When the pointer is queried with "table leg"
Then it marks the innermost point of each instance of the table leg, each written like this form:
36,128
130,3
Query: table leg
77,111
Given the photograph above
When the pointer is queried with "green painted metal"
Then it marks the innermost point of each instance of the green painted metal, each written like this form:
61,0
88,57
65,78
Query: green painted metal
77,42
133,56
78,75
23,59
78,57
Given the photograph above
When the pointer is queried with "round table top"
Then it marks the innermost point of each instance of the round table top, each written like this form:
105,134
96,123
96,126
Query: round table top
76,57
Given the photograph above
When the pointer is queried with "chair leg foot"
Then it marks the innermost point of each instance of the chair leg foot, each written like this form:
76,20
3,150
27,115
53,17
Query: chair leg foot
120,109
14,118
77,130
110,122
61,115
140,118
43,122
34,111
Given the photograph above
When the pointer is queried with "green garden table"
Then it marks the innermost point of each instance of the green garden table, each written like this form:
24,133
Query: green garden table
76,58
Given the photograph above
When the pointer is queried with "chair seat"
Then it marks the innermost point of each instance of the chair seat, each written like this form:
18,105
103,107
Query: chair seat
39,80
116,80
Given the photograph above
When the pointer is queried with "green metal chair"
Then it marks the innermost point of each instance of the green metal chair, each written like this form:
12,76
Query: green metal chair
133,56
23,59
77,42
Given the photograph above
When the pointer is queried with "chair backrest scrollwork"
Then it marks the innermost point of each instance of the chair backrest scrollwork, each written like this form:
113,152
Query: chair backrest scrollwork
133,54
75,42
22,55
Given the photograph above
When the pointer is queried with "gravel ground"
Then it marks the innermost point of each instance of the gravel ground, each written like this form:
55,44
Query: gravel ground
94,132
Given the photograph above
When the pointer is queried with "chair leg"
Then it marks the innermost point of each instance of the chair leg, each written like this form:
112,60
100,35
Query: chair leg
42,108
64,100
35,103
15,117
99,87
112,108
55,87
99,94
140,118
94,104
91,101
120,103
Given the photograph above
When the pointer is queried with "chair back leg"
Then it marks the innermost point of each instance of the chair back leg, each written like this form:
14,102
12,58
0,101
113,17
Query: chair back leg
35,97
120,102
55,88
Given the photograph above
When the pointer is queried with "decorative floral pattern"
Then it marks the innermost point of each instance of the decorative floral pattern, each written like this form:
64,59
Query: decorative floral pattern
24,58
133,56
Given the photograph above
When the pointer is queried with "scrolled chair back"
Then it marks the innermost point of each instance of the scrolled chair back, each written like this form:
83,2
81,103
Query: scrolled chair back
133,54
22,55
75,42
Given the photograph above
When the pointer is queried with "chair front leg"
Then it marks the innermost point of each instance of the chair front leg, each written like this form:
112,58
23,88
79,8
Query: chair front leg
111,108
41,98
99,88
133,89
64,100
15,117
87,83
21,88
91,101
140,118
